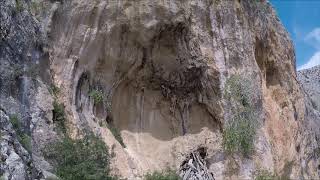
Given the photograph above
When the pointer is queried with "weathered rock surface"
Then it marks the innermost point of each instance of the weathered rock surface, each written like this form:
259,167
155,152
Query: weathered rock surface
310,80
161,67
16,162
24,82
310,83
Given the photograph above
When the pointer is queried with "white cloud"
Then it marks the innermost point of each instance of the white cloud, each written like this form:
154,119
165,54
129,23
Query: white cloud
313,38
314,61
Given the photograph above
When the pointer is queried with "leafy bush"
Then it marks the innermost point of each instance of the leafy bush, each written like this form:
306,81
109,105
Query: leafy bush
97,96
0,137
54,90
22,137
239,135
265,175
19,6
59,116
83,159
52,178
240,128
17,72
286,171
166,175
15,122
25,140
116,134
36,7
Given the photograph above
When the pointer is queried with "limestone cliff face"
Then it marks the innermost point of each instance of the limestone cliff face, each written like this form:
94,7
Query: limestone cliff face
162,67
24,98
309,81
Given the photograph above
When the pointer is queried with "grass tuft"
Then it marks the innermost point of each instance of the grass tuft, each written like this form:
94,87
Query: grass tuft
165,175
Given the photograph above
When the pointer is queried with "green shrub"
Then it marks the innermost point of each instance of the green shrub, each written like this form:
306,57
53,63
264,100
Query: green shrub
2,178
0,135
240,127
51,178
83,159
165,175
54,90
22,137
97,96
17,72
261,6
116,134
19,6
286,171
59,116
33,71
36,7
239,136
25,140
15,122
265,175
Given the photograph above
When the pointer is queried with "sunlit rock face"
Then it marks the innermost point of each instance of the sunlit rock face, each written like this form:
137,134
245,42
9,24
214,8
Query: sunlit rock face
161,68
310,80
310,85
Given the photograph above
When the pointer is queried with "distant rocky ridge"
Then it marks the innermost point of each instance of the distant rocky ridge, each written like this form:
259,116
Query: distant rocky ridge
310,81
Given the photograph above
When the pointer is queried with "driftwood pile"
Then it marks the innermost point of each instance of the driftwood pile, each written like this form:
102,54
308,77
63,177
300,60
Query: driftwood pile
194,167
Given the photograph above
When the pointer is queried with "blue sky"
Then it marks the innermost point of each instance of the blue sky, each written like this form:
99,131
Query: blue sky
302,20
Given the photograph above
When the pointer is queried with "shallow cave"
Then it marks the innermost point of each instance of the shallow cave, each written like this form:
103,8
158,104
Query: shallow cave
175,61
82,91
260,54
272,75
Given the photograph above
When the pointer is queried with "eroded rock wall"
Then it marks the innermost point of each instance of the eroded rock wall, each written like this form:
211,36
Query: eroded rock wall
162,66
25,101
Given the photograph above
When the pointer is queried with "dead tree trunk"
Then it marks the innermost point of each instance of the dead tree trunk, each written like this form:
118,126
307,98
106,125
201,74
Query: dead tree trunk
194,167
